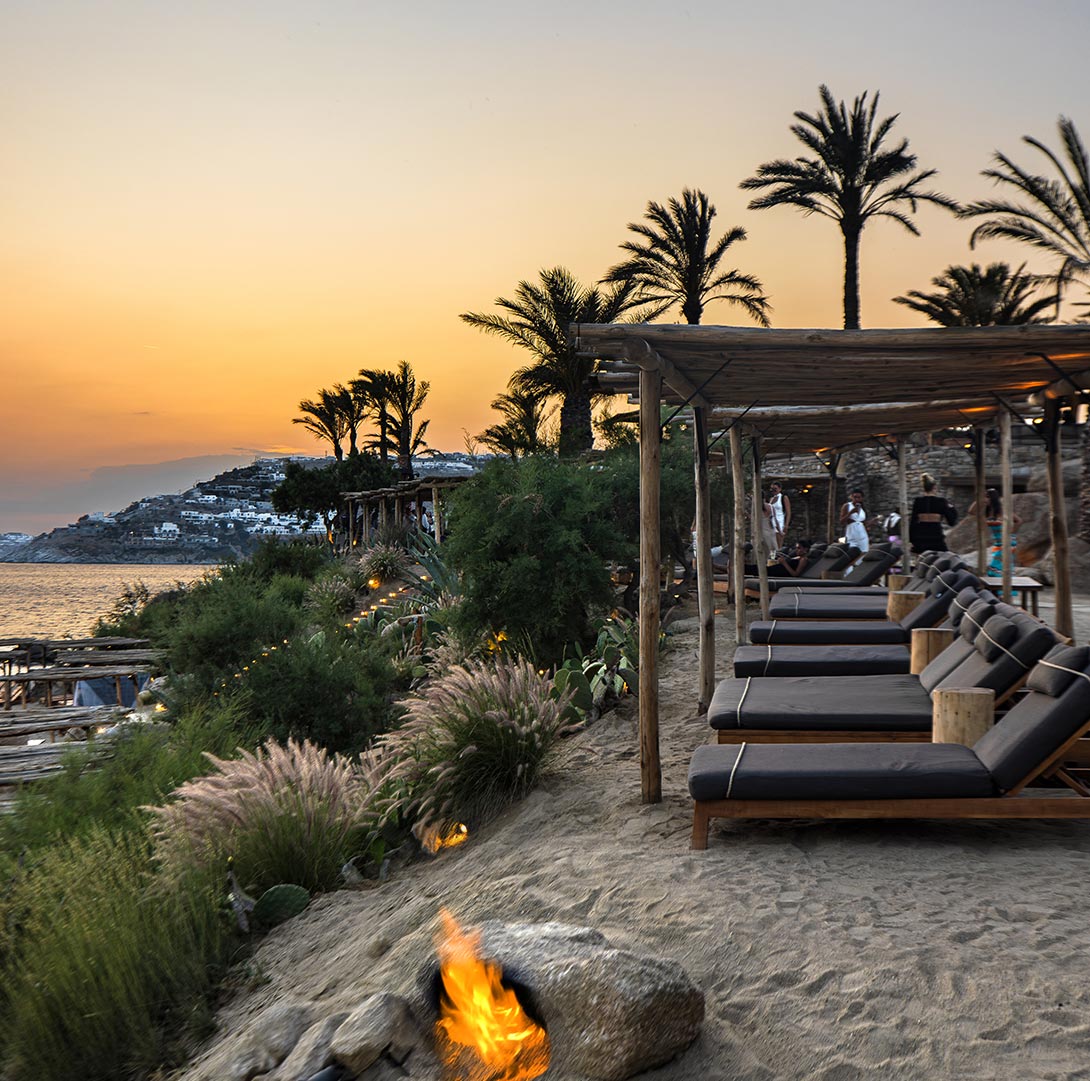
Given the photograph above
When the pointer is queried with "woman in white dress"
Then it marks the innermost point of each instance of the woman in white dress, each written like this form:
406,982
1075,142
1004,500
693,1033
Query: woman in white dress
852,517
781,512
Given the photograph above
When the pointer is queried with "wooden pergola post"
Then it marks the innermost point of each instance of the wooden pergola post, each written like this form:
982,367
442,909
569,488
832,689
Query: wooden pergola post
351,505
982,545
738,557
650,573
367,521
902,495
704,592
831,467
1057,516
1008,500
758,521
383,513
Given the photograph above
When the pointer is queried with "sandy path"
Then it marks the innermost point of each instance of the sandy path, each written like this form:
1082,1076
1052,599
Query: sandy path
830,951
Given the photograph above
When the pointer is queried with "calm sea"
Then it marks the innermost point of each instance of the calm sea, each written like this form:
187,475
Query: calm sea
59,600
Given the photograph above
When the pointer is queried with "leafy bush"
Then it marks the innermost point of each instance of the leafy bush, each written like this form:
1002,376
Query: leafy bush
289,813
300,559
106,972
531,540
330,688
225,623
384,562
328,599
476,739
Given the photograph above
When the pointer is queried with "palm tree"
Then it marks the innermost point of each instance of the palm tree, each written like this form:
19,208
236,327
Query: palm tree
373,389
325,419
851,179
971,297
354,412
538,320
674,264
1054,216
519,433
404,400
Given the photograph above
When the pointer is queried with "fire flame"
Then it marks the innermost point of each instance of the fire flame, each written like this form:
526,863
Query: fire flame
445,835
483,1033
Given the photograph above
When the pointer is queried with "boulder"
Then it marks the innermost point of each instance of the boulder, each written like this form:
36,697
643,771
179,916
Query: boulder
1078,560
1034,534
268,1041
382,1023
312,1053
1071,470
610,1013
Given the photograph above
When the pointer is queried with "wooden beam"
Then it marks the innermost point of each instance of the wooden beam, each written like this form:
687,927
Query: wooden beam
982,546
436,518
832,518
1008,500
1057,516
902,495
639,352
650,587
738,556
704,591
758,521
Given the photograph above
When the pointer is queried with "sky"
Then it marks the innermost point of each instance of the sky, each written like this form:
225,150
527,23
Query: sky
209,211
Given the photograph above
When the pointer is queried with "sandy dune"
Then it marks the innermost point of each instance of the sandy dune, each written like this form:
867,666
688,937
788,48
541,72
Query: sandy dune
829,951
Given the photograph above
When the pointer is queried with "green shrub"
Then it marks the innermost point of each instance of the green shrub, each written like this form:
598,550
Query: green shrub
476,739
286,814
531,540
225,624
334,689
106,973
328,599
297,558
291,589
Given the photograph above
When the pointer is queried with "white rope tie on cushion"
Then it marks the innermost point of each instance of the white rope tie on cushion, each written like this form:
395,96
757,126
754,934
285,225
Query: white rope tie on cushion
772,629
768,660
1017,660
733,769
1063,668
745,691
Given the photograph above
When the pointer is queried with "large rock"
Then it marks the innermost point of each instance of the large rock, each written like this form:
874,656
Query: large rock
1071,469
382,1023
311,1053
1078,560
268,1041
610,1013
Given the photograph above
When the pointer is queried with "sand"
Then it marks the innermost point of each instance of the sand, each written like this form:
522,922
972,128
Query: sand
828,951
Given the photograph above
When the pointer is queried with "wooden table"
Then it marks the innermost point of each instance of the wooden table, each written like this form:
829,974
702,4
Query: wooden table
1029,589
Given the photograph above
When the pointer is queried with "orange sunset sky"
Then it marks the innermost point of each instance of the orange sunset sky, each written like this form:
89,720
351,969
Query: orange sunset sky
211,210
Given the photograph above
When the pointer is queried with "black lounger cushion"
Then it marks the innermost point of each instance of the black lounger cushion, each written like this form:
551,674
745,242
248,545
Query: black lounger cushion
798,632
1033,642
979,613
822,703
818,606
838,771
1035,729
817,660
943,590
1053,674
995,638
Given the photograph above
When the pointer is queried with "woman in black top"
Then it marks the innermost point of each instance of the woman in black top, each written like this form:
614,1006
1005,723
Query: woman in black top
929,511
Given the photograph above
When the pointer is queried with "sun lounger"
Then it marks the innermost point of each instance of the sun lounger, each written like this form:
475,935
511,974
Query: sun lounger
996,647
870,568
922,575
849,647
894,780
834,558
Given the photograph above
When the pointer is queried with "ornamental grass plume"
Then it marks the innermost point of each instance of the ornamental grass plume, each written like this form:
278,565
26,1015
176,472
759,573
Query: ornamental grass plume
384,562
474,740
292,813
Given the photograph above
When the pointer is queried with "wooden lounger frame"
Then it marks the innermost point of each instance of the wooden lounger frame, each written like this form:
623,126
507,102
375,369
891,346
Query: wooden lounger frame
1012,805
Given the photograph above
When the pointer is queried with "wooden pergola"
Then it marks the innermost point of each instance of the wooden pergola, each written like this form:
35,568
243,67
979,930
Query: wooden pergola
823,391
412,490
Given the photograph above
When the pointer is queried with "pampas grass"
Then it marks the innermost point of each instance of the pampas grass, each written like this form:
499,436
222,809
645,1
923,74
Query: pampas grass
292,813
476,739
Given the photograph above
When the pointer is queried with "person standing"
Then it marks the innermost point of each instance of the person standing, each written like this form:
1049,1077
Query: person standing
781,511
852,516
993,515
929,512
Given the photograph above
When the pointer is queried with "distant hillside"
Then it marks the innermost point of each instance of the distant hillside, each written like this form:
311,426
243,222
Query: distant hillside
225,517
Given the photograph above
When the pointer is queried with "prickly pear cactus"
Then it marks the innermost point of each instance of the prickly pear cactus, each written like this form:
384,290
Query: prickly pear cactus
280,903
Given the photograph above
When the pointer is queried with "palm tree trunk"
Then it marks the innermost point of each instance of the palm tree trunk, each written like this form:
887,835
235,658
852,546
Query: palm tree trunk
576,434
851,276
